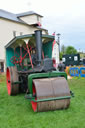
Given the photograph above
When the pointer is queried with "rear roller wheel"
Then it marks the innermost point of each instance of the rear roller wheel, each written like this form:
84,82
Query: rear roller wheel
12,76
50,88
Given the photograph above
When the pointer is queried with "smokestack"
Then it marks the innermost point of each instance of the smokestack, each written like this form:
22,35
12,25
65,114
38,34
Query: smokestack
38,39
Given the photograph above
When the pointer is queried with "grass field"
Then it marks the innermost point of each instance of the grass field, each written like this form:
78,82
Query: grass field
16,112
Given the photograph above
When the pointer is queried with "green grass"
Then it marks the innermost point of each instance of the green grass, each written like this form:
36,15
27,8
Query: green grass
16,111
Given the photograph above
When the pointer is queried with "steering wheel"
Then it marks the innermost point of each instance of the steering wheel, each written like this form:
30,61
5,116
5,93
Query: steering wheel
18,59
15,60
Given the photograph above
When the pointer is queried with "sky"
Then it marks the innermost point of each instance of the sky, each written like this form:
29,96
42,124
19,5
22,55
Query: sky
66,17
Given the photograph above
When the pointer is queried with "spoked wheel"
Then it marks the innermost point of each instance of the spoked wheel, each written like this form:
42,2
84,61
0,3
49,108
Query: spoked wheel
12,76
50,88
15,60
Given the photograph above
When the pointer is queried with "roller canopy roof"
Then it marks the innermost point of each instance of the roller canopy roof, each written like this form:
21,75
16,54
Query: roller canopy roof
22,40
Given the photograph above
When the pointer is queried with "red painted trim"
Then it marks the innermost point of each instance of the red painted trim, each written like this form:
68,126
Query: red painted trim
8,81
54,63
34,104
29,54
54,42
18,60
43,54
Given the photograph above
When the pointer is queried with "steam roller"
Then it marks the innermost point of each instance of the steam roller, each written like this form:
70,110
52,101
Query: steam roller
31,70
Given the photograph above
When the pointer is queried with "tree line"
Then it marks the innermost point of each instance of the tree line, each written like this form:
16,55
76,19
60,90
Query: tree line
67,50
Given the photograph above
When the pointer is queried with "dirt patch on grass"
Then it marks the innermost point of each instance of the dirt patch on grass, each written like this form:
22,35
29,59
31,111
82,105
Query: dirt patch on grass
2,78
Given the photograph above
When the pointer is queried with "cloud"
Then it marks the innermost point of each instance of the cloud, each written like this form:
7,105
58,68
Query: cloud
72,29
63,16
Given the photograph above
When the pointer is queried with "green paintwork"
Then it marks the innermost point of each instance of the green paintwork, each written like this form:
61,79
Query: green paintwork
17,82
17,38
48,37
48,99
9,54
44,75
47,48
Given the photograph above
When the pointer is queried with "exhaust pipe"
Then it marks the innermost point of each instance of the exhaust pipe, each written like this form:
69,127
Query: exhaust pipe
38,39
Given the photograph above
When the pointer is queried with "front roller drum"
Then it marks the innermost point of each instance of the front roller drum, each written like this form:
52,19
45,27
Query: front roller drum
12,76
50,88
